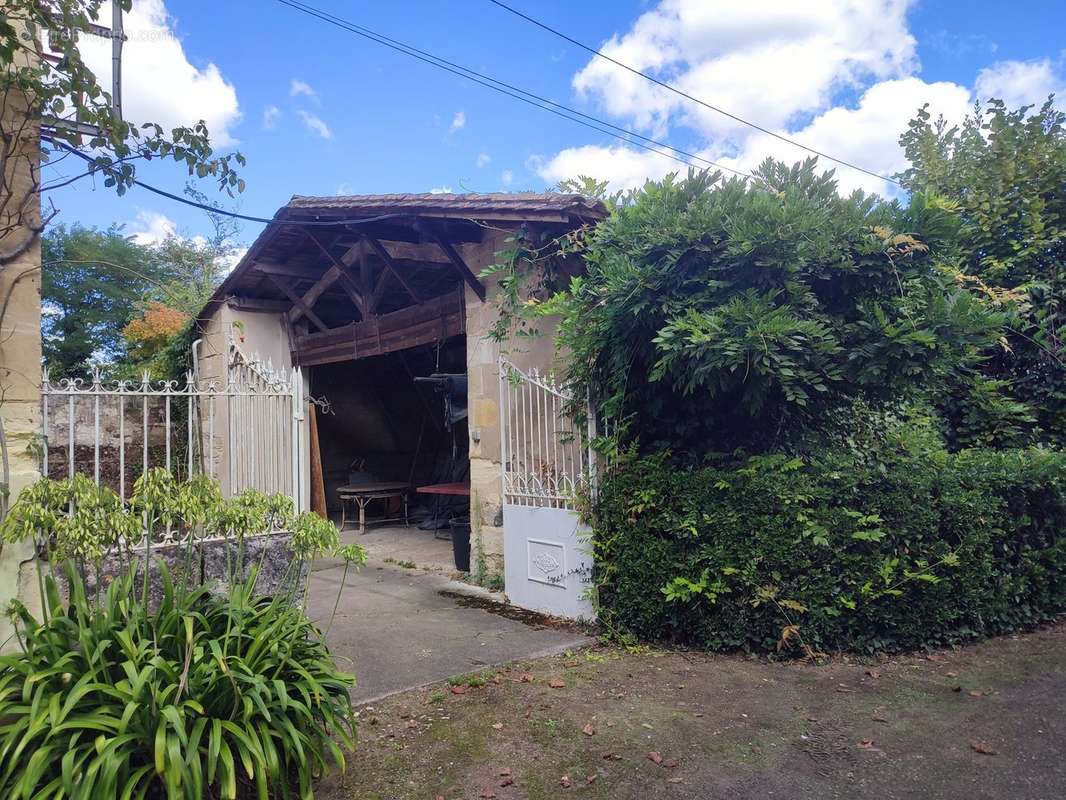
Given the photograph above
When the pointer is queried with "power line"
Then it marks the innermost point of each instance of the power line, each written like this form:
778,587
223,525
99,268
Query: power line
686,95
223,212
566,112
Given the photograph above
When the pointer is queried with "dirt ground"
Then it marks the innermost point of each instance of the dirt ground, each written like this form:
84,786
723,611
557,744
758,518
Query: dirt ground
985,721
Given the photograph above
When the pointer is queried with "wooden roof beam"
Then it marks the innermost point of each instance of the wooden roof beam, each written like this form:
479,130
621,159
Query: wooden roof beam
460,266
298,305
390,265
339,271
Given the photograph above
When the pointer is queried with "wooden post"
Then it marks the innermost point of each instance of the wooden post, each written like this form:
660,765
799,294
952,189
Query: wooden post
318,488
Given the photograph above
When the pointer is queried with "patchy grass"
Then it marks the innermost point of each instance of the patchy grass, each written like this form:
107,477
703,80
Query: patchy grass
726,726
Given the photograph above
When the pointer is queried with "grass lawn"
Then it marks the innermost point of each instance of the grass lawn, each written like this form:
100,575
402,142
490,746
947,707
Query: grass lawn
985,721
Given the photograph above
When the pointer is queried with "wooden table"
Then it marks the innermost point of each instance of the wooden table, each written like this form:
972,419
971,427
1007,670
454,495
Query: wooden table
363,493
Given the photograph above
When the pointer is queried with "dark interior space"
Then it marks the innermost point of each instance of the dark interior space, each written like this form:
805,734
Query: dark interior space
384,425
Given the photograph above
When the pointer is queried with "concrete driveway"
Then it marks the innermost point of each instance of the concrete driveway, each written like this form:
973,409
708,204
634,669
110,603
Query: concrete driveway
399,629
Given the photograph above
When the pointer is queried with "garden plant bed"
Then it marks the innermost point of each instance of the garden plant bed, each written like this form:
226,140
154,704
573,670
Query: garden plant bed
984,721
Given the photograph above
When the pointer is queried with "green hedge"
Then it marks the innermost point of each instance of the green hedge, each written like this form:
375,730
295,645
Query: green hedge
860,553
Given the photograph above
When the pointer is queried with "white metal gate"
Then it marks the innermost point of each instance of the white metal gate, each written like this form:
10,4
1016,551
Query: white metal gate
547,460
246,432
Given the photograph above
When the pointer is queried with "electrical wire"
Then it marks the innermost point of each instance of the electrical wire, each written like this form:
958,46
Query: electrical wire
688,96
624,134
225,213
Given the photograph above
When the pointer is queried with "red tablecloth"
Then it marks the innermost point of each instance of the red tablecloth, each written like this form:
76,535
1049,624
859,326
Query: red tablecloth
453,489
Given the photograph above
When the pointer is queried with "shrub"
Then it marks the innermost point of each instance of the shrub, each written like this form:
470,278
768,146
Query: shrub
904,547
220,696
184,693
716,314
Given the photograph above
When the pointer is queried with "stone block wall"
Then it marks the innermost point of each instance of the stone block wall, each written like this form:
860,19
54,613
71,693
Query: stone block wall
20,344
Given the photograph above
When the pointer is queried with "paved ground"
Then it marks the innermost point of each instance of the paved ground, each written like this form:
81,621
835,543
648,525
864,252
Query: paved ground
403,628
986,722
395,543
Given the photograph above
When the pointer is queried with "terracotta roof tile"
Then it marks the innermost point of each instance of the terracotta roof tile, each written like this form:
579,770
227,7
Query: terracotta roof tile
472,204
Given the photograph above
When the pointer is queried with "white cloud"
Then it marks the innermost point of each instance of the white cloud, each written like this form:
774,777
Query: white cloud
315,124
483,159
458,122
271,114
441,190
159,84
767,59
233,258
506,177
298,88
624,167
1019,83
840,76
150,227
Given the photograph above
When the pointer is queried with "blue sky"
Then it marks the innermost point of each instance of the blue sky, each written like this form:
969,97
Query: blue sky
317,110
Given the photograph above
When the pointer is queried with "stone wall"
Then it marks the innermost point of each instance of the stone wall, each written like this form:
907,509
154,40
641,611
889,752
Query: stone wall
20,347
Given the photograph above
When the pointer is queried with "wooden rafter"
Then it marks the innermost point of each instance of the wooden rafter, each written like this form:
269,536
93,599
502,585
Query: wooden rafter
390,265
460,266
340,272
297,303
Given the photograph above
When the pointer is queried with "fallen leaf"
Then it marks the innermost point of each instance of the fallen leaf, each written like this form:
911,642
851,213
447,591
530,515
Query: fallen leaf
675,779
873,673
487,794
590,779
557,683
497,726
458,690
671,763
439,797
983,748
505,772
565,782
506,782
655,758
952,674
588,730
497,679
571,663
976,693
612,757
525,677
866,744
412,723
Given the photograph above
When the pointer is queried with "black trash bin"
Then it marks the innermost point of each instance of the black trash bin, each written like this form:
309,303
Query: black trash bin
461,542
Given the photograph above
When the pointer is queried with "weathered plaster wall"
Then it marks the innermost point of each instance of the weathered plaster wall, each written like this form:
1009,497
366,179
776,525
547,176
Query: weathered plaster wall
20,359
258,335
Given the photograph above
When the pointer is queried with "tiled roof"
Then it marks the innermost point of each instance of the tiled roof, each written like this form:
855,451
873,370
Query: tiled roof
494,204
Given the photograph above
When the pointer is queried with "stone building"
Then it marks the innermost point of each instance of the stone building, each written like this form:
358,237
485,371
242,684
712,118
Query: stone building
20,333
365,294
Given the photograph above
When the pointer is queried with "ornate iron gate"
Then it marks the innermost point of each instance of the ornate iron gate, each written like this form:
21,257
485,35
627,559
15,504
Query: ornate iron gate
546,460
246,432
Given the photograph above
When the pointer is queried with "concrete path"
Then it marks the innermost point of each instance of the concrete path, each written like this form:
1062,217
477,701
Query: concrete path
400,632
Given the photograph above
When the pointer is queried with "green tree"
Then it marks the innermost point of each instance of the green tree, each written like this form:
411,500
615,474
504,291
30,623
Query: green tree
1005,171
63,99
718,315
91,283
